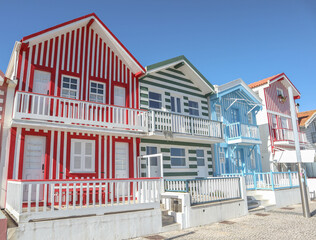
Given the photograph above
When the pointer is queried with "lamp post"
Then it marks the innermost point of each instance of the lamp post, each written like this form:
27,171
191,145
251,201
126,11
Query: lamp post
303,190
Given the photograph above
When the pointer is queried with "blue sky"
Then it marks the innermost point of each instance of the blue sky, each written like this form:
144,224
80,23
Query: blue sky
225,40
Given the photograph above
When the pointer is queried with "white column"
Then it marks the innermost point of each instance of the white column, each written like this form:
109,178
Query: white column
51,157
105,156
17,153
64,155
135,156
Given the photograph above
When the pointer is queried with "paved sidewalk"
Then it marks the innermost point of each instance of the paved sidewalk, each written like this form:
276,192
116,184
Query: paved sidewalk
284,223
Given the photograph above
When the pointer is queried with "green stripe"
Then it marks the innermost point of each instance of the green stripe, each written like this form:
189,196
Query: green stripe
143,174
172,82
190,144
192,151
175,71
176,77
167,100
166,166
210,166
185,98
165,150
186,104
210,173
204,114
144,95
143,88
192,166
143,148
203,102
167,93
168,107
205,108
209,152
209,159
175,174
172,88
144,102
186,110
143,166
166,157
192,158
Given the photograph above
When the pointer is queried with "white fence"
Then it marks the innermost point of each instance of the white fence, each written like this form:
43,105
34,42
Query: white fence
35,199
282,134
237,130
72,111
207,190
177,123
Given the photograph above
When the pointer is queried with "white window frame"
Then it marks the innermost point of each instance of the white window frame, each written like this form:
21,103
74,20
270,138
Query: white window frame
69,89
198,107
279,90
119,87
201,157
287,122
83,155
154,100
218,118
176,97
185,158
97,94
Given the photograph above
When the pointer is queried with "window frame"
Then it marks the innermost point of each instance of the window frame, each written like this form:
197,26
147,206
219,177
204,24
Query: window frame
97,94
194,108
83,155
125,97
178,106
185,158
69,89
281,91
200,157
220,112
152,159
154,100
250,117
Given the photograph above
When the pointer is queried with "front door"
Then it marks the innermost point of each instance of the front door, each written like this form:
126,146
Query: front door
119,114
33,162
201,164
153,162
121,160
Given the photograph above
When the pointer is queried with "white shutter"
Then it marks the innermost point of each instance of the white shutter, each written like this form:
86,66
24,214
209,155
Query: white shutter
82,155
119,96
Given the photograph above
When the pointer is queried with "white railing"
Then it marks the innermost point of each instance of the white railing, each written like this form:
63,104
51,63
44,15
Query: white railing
283,134
238,130
72,111
207,190
177,123
35,199
268,180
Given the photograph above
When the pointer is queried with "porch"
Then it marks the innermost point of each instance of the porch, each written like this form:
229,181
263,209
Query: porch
242,133
36,200
168,124
283,136
51,110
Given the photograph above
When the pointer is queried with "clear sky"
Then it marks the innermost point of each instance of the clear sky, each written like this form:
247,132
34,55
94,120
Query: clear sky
224,39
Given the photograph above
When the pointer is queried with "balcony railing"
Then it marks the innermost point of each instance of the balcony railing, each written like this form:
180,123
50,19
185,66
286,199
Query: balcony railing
283,134
47,199
177,123
72,111
239,130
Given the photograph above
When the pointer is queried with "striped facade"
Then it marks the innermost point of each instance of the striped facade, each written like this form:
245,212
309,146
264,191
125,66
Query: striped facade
3,90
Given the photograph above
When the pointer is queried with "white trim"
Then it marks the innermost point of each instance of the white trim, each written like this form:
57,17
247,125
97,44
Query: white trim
83,155
134,156
62,87
97,94
28,69
65,155
111,158
280,90
58,154
51,154
17,153
22,71
57,64
186,154
279,114
99,157
105,156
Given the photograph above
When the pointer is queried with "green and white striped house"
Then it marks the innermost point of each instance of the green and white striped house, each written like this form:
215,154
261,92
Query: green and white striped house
176,95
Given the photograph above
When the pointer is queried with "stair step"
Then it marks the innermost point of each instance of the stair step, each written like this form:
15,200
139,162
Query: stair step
167,220
164,212
171,227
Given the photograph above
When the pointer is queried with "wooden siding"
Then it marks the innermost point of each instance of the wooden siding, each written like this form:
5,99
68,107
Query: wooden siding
272,101
83,53
170,82
190,170
3,90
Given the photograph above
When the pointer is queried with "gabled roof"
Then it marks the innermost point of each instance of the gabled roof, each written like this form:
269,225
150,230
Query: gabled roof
238,84
181,62
279,77
305,118
88,20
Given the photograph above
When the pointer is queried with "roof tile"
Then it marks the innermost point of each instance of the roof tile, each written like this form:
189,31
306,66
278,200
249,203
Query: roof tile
304,116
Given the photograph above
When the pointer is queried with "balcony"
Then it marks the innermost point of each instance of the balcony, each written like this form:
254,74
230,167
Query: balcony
283,136
30,107
242,133
32,200
169,124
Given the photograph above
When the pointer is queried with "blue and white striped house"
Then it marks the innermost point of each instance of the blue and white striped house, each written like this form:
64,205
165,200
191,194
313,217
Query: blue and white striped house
236,105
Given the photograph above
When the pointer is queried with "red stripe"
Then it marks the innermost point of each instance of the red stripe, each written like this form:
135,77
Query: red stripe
55,155
100,57
27,53
86,180
45,53
77,52
54,66
95,54
71,50
19,66
51,53
39,54
11,153
81,60
60,63
104,50
66,52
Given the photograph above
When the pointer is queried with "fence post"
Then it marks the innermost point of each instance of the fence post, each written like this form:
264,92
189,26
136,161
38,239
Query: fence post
254,180
192,128
186,186
272,182
290,179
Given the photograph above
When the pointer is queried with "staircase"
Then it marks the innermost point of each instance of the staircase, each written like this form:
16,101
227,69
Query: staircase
257,202
168,222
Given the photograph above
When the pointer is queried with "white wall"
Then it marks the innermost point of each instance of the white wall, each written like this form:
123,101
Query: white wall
110,226
311,183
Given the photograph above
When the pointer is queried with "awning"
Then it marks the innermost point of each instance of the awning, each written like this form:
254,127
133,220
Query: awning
290,156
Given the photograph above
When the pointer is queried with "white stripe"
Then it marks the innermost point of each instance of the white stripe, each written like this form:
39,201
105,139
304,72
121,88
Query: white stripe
97,61
69,47
110,80
110,170
83,62
51,155
53,53
88,63
130,90
35,57
57,65
79,49
134,79
47,53
99,168
126,79
135,156
114,67
74,51
22,71
42,52
93,47
118,70
64,50
65,155
105,156
106,63
17,153
58,154
28,70
102,56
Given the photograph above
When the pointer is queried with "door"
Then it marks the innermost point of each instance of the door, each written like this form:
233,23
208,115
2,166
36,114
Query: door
121,160
33,162
154,163
119,114
201,164
234,115
41,84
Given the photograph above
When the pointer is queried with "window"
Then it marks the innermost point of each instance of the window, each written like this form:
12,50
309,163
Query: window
253,160
284,123
153,160
218,112
82,155
178,157
175,104
70,87
97,92
234,115
313,137
155,100
280,92
200,157
193,108
250,120
119,96
222,155
274,122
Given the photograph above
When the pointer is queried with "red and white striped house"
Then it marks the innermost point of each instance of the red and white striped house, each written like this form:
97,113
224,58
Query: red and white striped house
73,114
274,121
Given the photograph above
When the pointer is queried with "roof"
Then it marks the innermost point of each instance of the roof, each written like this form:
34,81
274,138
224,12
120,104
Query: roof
263,81
88,19
279,77
178,60
305,117
1,74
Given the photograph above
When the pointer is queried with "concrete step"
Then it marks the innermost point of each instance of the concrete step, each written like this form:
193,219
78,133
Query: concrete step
164,212
10,221
262,208
167,220
171,227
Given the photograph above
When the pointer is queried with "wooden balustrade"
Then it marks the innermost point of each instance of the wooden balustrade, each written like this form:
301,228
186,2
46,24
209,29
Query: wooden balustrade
238,130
